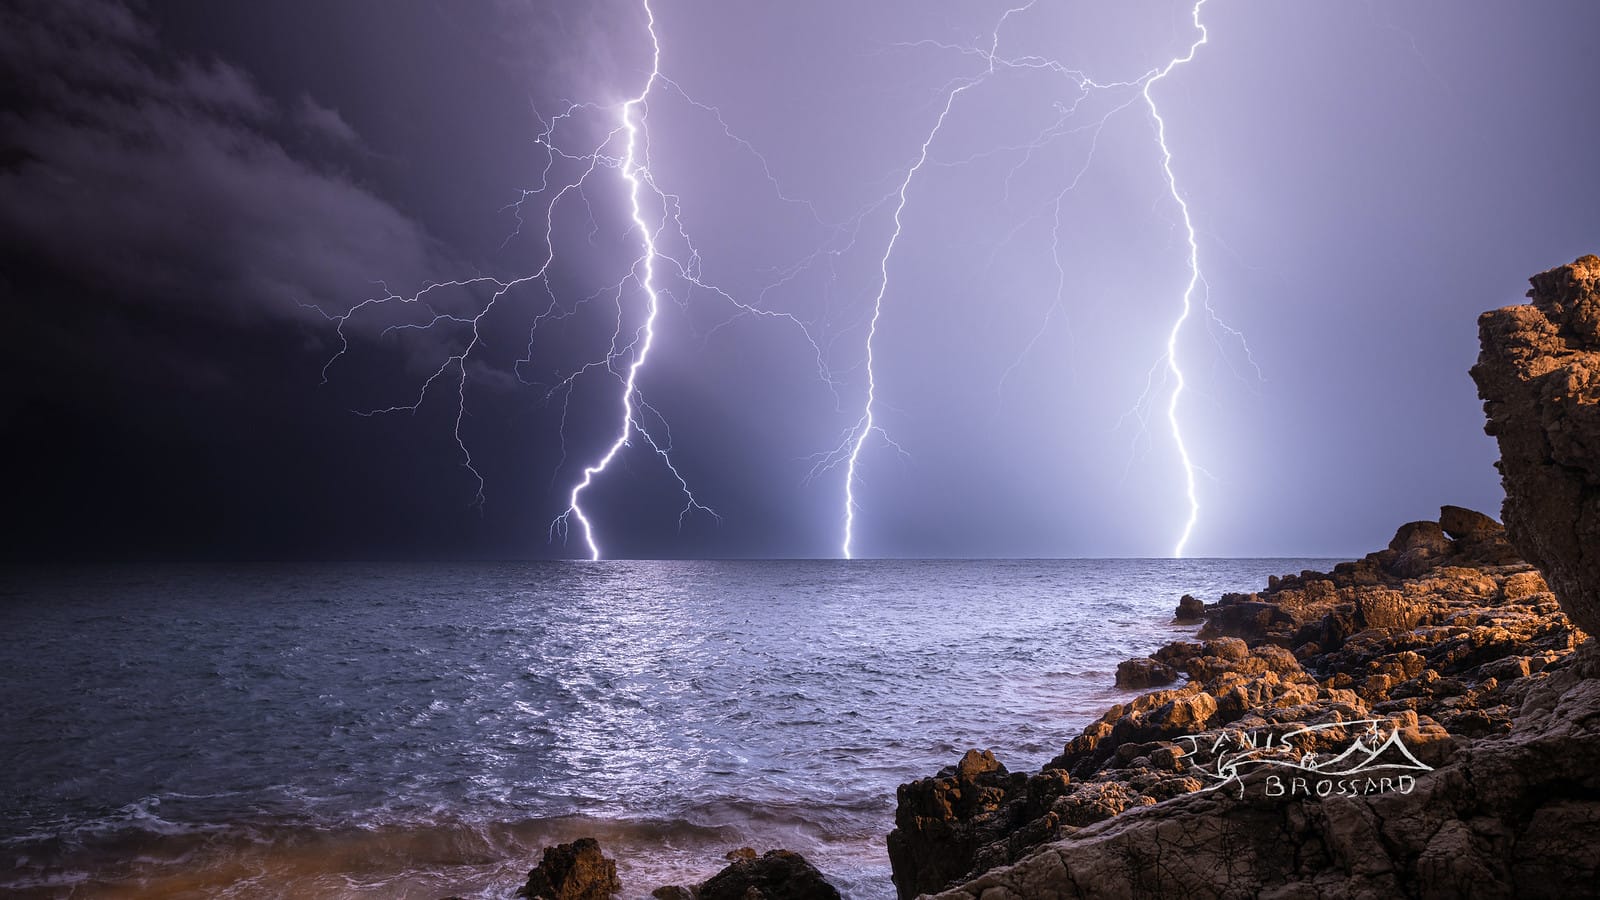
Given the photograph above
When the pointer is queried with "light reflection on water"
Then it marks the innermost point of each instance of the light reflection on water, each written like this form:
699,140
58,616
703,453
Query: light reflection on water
423,729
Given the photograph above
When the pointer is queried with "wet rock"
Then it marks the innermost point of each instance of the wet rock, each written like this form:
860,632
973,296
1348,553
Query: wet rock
1538,373
1144,673
776,875
575,871
1189,611
1250,619
942,823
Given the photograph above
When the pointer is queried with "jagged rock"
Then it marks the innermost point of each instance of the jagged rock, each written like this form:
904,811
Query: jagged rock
575,871
1511,816
1447,653
1144,673
942,822
1539,376
776,875
1189,611
673,892
1250,619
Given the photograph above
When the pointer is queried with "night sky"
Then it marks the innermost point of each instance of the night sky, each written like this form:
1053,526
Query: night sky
190,189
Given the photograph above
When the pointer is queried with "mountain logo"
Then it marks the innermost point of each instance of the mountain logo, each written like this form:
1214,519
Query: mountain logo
1309,760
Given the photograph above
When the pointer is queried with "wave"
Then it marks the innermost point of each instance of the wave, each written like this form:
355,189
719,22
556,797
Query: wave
136,853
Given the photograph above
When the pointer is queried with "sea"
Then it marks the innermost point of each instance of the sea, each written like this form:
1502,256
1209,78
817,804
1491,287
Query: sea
423,730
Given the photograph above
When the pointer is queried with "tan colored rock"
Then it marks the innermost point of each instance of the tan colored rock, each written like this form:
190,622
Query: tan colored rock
1539,376
575,871
1524,585
1512,816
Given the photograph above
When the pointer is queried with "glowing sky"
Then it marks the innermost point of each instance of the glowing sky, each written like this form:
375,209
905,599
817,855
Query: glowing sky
181,183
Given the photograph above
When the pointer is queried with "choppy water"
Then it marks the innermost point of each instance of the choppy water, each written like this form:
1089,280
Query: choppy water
421,730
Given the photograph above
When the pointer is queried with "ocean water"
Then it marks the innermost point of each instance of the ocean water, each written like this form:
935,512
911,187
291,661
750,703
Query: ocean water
398,730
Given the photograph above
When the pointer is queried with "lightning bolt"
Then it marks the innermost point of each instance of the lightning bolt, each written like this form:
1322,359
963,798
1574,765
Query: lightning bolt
655,215
669,257
1188,290
866,426
633,172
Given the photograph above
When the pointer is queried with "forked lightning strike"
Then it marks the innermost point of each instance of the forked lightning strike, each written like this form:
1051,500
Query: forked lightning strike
856,439
651,211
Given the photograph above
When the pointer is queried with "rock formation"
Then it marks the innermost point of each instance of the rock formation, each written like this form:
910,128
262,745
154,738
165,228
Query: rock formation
1539,377
575,871
1512,816
1443,633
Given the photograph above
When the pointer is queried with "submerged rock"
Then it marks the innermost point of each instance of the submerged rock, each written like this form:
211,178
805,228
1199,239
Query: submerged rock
575,871
776,875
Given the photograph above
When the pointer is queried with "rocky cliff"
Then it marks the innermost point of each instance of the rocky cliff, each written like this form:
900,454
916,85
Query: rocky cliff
1539,377
1422,722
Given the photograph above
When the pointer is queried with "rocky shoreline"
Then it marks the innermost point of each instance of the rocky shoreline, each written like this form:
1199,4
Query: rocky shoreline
1445,634
1422,722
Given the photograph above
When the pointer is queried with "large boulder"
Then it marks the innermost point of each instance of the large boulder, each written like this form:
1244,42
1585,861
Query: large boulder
575,871
1468,525
1538,373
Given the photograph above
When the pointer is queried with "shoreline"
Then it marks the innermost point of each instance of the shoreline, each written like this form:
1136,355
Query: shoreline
487,859
1441,633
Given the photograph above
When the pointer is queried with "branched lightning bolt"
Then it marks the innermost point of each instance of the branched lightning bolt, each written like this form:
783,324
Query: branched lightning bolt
668,257
667,252
1139,88
866,426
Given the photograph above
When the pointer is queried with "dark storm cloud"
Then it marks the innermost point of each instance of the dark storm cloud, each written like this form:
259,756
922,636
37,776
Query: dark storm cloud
172,180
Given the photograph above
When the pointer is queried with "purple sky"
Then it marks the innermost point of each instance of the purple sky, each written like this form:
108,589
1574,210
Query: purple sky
181,182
